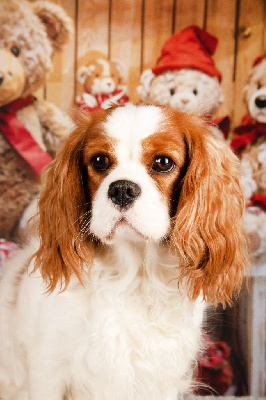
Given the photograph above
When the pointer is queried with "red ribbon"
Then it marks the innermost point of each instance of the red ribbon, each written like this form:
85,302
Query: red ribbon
20,138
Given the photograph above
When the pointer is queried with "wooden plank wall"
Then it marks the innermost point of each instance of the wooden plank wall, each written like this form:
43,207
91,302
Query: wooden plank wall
135,30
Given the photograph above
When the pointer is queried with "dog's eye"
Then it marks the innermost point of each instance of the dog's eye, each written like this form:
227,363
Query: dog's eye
15,50
195,92
259,85
100,163
163,164
172,92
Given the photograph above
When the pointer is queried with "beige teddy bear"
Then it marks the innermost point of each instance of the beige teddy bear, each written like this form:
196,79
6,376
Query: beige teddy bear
249,141
185,76
101,80
30,130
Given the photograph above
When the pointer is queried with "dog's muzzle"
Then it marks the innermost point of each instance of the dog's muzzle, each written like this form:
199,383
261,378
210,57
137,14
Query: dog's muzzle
123,193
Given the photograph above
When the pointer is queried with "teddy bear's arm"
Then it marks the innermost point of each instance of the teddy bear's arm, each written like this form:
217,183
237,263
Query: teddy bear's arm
55,125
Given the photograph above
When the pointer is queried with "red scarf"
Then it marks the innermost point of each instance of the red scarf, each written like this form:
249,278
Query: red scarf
246,134
20,138
257,199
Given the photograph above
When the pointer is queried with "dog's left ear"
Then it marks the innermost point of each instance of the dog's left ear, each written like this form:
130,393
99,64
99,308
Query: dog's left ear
208,228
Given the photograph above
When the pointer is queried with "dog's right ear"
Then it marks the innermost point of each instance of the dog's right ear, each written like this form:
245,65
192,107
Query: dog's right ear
64,212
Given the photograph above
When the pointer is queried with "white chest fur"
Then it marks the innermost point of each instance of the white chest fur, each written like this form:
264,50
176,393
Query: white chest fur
127,334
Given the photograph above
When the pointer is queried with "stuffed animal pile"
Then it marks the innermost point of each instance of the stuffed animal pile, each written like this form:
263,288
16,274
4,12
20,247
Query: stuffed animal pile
249,141
185,76
102,84
30,130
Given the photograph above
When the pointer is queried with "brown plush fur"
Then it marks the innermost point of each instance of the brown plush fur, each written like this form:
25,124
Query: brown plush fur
35,30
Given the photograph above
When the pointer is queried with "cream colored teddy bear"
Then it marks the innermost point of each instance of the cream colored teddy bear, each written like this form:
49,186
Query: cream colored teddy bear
185,76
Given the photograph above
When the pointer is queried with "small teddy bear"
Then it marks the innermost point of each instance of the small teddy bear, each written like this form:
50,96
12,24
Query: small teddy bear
249,142
185,76
215,373
101,80
31,130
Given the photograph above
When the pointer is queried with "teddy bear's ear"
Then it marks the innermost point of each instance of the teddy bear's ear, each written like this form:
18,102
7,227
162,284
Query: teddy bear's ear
58,25
144,87
83,72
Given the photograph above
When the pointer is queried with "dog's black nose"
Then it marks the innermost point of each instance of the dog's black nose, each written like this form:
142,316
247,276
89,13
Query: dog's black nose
123,193
260,102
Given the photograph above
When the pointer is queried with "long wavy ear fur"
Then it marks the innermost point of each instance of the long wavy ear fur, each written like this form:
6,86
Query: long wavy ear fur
208,225
64,213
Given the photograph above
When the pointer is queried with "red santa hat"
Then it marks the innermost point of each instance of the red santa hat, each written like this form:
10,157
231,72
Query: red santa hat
190,48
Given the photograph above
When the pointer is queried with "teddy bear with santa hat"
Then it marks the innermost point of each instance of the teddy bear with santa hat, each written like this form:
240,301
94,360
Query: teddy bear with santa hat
185,77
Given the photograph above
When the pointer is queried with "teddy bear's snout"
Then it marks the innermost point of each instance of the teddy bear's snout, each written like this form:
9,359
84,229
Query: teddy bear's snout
107,85
184,100
260,101
12,77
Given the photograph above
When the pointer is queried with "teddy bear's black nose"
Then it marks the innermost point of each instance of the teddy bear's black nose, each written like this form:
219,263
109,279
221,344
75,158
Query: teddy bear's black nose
260,102
1,78
123,193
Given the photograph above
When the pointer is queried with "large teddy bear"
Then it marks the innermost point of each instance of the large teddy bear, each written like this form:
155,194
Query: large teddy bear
30,130
185,76
249,142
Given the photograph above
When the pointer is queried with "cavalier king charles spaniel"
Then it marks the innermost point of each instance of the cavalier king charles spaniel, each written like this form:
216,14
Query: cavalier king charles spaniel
140,225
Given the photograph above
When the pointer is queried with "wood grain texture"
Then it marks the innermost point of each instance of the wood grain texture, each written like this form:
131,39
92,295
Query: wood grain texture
60,86
158,27
188,13
250,44
125,40
134,31
220,22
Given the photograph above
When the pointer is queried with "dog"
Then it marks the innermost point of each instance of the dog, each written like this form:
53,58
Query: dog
140,225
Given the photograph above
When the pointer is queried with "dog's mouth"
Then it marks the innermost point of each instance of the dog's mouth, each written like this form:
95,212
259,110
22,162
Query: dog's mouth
124,229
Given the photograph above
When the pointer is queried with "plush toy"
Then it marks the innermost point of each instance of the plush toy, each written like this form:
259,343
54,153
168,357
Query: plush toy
185,76
215,372
101,80
249,141
30,130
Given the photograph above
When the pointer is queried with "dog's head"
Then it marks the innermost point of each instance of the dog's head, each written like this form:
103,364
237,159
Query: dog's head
145,173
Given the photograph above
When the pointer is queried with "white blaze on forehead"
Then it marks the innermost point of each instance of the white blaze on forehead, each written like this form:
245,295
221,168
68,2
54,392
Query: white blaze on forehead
149,214
129,125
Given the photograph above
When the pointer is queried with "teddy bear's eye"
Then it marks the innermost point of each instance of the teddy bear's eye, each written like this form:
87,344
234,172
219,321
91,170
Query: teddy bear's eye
172,92
195,92
15,50
259,85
